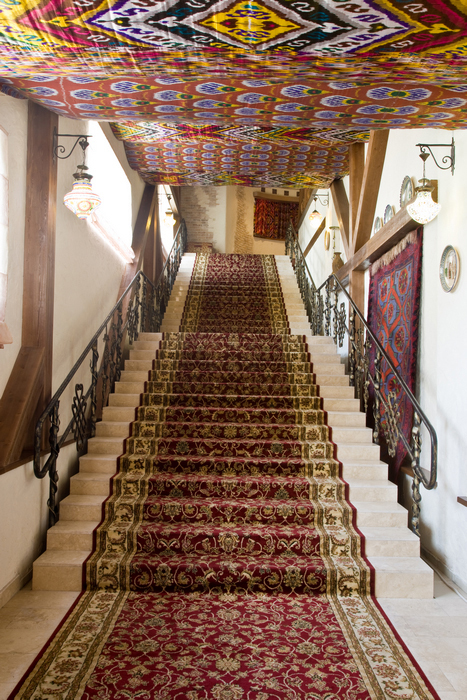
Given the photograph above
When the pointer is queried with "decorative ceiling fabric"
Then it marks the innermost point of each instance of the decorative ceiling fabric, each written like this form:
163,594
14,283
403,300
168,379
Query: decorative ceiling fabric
208,70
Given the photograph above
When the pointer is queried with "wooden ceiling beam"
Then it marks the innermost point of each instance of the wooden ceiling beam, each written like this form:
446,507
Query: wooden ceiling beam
369,188
341,205
315,237
356,170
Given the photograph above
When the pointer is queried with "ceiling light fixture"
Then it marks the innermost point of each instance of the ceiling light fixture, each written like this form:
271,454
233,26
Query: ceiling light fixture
424,209
81,199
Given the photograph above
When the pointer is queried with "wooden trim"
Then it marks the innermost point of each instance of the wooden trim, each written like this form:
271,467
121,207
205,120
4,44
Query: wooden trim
341,205
293,199
19,402
387,237
356,170
140,236
370,188
28,456
315,237
462,500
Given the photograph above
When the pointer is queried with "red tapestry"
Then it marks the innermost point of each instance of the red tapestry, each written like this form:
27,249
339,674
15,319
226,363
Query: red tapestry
273,217
393,315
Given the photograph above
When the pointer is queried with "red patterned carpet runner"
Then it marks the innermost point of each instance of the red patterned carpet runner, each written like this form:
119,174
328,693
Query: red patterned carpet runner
227,566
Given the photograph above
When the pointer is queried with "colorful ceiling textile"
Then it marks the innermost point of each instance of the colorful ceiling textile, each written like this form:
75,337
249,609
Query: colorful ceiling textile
201,69
271,218
393,311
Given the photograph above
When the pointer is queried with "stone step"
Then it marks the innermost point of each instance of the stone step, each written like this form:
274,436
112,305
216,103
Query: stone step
138,365
142,355
402,577
327,369
150,337
381,514
118,414
103,445
59,570
82,507
390,542
113,429
371,490
341,405
344,419
331,379
351,435
71,535
146,345
98,464
366,471
125,399
90,484
336,392
132,376
357,452
129,387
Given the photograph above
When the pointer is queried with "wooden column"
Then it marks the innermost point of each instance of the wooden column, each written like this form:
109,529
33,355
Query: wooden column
29,387
356,168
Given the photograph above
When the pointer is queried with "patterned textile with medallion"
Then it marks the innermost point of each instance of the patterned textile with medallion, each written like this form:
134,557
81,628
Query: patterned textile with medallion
271,218
227,565
393,313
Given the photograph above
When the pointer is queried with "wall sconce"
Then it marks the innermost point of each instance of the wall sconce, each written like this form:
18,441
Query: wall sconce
315,217
169,218
81,200
424,209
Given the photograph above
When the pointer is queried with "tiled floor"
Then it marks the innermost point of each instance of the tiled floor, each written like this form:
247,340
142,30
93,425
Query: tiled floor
434,630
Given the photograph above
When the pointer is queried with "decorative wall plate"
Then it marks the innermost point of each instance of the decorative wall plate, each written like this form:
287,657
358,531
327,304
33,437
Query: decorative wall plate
388,213
407,191
327,239
378,224
449,268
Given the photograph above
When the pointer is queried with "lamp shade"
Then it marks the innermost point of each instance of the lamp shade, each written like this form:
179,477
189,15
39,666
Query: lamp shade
423,209
82,201
315,217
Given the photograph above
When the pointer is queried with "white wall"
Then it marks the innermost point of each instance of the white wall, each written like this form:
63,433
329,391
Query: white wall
442,340
88,272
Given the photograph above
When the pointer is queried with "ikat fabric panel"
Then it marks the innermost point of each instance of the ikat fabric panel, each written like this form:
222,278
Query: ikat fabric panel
271,73
271,219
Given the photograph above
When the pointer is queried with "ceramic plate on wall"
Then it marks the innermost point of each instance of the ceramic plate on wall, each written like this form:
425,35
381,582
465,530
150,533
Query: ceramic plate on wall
327,239
449,268
378,224
407,191
388,214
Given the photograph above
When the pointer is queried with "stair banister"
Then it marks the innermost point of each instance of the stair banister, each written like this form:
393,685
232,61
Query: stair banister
144,312
328,318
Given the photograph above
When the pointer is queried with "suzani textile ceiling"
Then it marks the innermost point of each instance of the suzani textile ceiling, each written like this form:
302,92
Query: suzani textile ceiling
238,91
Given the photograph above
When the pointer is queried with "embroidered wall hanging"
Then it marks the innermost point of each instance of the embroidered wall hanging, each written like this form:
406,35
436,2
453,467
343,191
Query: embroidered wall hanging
393,316
272,218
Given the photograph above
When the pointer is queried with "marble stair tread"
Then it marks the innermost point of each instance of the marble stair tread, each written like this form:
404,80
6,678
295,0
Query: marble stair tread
118,414
131,376
370,490
346,435
331,368
113,428
330,379
139,365
101,464
369,514
402,577
365,471
90,483
339,404
336,392
125,399
71,535
344,419
129,387
82,507
105,445
390,541
59,570
150,336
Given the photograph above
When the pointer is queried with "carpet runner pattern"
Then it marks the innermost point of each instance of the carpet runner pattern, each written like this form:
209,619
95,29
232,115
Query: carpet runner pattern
227,564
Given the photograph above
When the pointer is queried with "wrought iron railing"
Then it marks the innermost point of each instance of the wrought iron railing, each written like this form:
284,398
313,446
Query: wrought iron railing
140,309
367,362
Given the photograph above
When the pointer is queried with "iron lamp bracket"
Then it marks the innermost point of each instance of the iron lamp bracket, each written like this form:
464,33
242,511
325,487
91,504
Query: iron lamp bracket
448,160
59,150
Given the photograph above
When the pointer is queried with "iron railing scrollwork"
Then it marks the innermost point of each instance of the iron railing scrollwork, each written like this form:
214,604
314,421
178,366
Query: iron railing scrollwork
367,361
140,309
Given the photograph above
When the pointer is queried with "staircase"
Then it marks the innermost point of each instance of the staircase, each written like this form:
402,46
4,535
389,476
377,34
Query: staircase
391,548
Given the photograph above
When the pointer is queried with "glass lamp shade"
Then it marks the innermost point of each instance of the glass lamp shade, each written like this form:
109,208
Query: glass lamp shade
315,217
169,218
82,201
424,209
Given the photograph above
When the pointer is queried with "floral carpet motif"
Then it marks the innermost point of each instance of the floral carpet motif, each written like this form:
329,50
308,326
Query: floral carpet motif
227,565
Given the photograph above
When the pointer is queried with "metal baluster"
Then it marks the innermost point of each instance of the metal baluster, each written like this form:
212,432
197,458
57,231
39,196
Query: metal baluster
416,445
94,377
118,345
327,313
144,301
377,400
335,313
352,359
53,474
